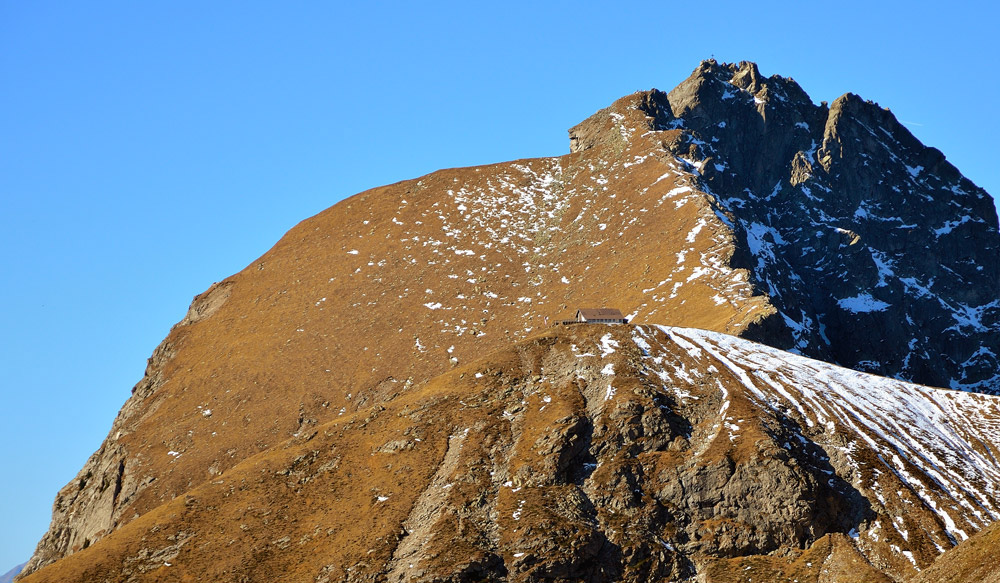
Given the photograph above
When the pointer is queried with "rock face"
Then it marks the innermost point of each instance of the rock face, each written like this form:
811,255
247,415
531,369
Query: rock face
731,204
878,253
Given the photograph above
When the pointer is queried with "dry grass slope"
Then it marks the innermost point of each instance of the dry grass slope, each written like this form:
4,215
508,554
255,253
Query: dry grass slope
390,288
589,452
973,561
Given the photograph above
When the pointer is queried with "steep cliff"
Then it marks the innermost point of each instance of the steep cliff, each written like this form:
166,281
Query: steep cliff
879,254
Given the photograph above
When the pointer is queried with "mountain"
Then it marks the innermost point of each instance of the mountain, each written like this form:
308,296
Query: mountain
877,253
731,204
622,453
9,575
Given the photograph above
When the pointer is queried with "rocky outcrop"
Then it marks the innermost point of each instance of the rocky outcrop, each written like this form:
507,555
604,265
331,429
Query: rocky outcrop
833,206
878,253
96,501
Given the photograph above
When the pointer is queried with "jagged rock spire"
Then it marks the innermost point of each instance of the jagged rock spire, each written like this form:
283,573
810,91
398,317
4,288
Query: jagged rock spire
879,254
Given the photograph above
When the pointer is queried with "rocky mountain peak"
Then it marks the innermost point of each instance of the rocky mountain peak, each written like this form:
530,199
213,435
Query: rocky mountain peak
747,77
832,204
877,253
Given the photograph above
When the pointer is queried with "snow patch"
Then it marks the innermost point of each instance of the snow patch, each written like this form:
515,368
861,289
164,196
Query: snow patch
862,304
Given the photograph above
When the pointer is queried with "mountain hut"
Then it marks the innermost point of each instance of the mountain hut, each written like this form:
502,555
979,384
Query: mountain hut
600,316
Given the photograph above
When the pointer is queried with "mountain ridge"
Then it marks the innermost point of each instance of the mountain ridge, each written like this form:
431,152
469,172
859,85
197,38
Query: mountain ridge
364,303
9,575
803,185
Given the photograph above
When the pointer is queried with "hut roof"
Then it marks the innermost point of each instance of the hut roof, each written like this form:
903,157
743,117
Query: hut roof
600,314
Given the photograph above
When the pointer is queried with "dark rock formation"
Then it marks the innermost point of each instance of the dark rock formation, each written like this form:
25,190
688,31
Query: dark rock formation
879,254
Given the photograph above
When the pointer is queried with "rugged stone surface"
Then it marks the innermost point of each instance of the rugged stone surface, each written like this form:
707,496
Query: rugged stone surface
91,506
879,254
730,204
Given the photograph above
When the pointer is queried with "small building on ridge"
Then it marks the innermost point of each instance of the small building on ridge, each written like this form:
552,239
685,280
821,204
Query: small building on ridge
600,316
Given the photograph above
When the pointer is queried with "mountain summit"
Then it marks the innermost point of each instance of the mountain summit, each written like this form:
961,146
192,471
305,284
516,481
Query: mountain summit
876,252
381,397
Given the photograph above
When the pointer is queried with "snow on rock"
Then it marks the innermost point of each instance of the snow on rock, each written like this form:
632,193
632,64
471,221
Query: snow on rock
862,303
608,345
844,203
939,444
919,461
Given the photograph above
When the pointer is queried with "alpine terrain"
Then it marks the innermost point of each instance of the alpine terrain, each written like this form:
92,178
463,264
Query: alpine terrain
390,393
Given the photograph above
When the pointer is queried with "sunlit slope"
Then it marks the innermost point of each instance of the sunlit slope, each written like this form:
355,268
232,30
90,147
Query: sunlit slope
732,203
973,561
614,453
396,285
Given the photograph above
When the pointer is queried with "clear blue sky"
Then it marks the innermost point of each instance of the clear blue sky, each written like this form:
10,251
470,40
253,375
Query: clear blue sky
148,149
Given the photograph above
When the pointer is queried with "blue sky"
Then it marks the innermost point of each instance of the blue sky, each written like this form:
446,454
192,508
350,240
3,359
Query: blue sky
150,149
